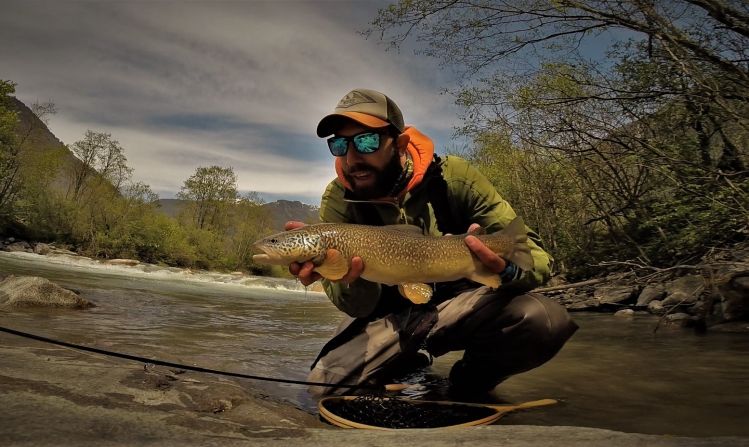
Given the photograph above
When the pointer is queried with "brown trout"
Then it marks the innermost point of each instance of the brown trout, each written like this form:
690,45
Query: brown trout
395,254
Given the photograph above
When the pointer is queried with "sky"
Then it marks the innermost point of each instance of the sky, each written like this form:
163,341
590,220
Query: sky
240,84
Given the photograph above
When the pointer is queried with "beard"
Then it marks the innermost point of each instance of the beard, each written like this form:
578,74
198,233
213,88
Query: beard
384,179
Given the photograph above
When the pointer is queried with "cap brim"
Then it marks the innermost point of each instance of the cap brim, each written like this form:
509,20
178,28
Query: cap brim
330,123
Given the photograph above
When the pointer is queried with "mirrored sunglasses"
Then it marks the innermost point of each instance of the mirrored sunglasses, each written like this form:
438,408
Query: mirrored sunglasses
364,143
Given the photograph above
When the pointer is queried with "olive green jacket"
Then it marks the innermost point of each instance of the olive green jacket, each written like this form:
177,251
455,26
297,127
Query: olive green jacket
471,198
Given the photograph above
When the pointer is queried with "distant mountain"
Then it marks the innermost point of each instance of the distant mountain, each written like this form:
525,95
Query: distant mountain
281,211
171,207
36,137
286,210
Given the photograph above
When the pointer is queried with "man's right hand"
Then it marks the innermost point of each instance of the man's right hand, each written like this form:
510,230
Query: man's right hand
304,271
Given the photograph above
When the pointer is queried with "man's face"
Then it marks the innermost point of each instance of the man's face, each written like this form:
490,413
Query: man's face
372,175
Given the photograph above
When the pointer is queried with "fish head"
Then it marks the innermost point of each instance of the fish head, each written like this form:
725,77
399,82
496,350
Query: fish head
284,248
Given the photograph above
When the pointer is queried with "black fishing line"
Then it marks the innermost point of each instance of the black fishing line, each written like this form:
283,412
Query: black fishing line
178,365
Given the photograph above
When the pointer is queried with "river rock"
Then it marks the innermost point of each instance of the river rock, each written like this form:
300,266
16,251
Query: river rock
19,246
656,307
618,294
625,313
684,290
41,248
734,294
33,291
649,293
583,304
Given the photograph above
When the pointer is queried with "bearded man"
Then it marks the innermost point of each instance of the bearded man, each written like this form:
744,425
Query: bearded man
388,173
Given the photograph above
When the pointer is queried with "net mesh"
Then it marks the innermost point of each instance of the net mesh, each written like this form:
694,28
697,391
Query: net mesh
386,412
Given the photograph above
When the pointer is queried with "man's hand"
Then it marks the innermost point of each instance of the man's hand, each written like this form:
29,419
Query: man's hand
304,271
487,257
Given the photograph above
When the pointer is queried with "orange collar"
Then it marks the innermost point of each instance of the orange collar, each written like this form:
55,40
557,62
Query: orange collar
421,149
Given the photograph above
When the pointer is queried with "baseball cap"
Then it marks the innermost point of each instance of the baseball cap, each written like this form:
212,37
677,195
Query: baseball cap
367,107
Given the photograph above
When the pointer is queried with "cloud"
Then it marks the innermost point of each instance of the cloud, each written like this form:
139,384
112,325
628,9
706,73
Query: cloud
182,84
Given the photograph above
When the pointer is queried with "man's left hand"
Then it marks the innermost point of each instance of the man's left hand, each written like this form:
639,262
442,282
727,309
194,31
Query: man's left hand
487,257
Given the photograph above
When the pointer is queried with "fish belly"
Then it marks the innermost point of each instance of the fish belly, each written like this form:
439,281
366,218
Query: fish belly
417,260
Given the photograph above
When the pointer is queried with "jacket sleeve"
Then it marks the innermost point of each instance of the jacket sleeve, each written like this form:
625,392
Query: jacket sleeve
477,199
359,298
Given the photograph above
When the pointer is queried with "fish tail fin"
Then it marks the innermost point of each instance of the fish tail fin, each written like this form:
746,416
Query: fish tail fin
520,253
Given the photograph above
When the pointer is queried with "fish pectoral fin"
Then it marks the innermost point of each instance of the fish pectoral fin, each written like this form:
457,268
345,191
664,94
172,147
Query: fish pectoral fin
334,266
522,257
483,275
416,292
521,252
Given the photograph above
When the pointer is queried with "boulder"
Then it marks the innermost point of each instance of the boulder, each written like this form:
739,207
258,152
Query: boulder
626,313
656,307
42,248
618,294
734,293
649,293
33,291
577,300
19,246
684,290
584,304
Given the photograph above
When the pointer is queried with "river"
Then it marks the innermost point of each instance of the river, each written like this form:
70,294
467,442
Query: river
615,373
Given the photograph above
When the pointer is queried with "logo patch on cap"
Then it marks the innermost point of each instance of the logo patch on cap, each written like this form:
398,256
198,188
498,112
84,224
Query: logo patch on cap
354,98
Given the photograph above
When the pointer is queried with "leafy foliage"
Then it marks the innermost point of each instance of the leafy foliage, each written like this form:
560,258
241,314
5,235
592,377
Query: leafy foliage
89,202
650,136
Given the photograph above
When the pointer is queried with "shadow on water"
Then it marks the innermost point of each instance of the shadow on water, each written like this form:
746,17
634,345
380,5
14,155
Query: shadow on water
615,373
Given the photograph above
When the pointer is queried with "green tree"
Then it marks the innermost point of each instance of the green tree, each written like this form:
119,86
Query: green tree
9,149
210,192
654,132
100,157
249,222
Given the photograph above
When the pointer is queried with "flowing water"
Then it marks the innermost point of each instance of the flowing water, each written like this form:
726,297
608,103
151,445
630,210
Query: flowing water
614,373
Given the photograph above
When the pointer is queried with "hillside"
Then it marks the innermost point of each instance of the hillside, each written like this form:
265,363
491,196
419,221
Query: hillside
37,140
285,210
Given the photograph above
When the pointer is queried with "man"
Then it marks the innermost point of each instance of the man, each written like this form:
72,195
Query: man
388,174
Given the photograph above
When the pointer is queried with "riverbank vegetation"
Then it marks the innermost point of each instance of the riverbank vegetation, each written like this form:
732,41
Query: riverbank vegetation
619,129
83,196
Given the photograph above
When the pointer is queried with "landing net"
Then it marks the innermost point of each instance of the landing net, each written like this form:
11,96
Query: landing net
383,412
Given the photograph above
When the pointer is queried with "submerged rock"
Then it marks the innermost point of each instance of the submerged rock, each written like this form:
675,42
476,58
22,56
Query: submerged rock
33,291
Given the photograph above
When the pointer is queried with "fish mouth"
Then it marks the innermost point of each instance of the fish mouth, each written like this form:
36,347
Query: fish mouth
268,256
